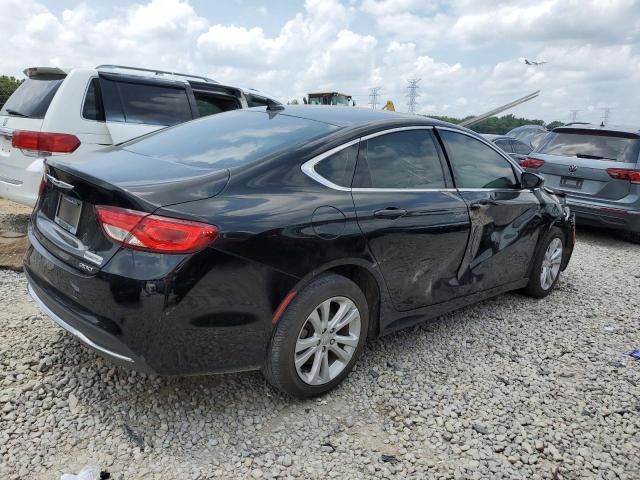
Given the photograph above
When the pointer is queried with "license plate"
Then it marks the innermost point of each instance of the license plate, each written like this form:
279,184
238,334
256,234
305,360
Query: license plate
68,213
571,182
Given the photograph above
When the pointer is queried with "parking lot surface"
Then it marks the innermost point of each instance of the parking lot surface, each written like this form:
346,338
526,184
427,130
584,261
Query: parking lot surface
509,388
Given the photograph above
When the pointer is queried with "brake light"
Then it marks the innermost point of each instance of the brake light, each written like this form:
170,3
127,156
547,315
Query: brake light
43,143
153,233
531,163
624,174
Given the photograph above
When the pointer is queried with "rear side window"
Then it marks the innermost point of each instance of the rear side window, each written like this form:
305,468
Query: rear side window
93,108
504,145
592,145
521,147
475,164
230,140
146,103
400,160
256,101
338,168
210,104
33,97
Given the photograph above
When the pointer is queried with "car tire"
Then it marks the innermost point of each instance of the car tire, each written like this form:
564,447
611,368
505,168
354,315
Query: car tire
540,286
633,237
299,333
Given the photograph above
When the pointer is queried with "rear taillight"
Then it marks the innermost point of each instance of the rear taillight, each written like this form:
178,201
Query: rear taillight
152,233
624,174
43,144
531,163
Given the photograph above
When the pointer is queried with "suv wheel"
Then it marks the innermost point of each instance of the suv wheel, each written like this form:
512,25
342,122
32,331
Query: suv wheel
319,337
546,265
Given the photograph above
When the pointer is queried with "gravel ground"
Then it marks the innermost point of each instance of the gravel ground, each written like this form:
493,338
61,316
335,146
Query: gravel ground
509,388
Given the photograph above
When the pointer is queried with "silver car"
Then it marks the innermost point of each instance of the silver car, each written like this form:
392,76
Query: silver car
598,169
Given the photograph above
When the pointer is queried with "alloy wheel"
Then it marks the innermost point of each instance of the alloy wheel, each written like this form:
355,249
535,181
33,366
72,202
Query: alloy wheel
551,264
327,340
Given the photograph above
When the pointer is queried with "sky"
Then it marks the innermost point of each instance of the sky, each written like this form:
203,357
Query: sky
469,54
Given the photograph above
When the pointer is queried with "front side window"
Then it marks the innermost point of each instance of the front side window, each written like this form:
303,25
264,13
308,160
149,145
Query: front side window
338,168
401,160
154,104
475,164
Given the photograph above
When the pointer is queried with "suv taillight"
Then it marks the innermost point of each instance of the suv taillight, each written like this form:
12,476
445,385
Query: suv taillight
625,174
531,163
153,233
43,144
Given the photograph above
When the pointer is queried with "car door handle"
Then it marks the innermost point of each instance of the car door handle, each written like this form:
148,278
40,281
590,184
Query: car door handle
481,203
390,212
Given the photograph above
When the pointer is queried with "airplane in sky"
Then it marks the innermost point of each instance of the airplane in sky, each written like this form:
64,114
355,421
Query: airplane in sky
534,63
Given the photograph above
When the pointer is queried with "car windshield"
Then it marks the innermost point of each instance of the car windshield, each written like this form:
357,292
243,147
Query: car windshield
229,139
597,146
32,98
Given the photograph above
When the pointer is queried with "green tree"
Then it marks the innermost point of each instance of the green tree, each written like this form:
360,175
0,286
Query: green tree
7,86
554,124
495,125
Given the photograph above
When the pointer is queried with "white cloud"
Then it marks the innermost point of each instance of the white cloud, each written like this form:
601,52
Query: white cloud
468,54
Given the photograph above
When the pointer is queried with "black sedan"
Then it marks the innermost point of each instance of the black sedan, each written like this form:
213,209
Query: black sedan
282,238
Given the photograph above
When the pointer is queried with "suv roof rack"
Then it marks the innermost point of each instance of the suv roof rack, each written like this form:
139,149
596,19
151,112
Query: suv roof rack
156,72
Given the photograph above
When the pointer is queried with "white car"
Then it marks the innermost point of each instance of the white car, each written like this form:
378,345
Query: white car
57,111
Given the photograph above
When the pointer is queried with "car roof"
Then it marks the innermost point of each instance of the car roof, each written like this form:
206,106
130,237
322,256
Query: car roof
355,116
596,127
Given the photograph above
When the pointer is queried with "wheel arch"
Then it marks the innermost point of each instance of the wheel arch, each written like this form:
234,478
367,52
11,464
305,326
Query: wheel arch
365,277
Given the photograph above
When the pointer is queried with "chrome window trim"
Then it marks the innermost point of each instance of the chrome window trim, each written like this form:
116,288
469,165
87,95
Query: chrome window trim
397,129
61,323
308,168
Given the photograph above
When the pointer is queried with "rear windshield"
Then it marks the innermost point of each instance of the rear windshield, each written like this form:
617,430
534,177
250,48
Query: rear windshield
32,98
600,146
229,139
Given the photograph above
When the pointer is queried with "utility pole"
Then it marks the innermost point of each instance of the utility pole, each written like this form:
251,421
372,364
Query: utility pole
574,115
413,94
606,113
373,97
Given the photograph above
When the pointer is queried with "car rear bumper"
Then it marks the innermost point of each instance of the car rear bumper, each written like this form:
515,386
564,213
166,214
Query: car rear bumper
104,344
604,216
209,317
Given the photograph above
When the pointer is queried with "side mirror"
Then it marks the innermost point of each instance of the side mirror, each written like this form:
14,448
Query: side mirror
531,180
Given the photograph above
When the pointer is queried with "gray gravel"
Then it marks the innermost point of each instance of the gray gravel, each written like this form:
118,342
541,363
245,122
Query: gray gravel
510,388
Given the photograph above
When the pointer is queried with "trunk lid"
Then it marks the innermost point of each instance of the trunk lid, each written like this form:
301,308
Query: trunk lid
576,161
65,219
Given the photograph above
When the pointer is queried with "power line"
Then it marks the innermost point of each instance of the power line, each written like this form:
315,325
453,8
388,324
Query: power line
374,92
413,94
574,116
606,113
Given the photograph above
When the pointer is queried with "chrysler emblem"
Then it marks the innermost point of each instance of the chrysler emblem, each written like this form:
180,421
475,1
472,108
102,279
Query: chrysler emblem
573,168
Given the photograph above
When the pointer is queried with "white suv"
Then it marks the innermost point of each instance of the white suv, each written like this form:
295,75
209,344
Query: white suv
57,111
